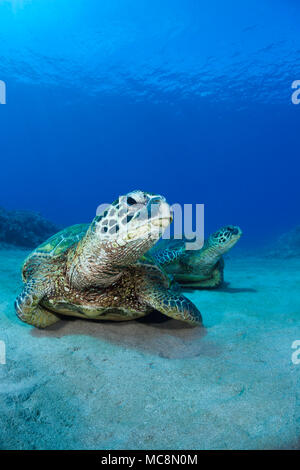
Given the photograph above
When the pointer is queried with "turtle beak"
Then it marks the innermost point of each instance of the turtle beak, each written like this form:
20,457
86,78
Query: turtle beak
164,215
160,212
171,215
239,232
236,231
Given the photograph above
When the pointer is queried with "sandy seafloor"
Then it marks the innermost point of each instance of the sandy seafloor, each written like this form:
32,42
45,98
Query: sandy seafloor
158,384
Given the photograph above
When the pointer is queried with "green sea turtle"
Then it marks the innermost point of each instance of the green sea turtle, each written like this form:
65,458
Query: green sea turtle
92,271
202,268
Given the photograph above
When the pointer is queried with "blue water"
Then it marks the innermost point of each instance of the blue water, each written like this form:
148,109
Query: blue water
189,99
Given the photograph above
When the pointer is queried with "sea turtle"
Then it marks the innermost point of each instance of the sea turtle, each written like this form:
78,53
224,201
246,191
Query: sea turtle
202,268
92,271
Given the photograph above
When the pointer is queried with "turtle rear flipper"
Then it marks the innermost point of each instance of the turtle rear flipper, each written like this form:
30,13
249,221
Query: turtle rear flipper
216,279
29,310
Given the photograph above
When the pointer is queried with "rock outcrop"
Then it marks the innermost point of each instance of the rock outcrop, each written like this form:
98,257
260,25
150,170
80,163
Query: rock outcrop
24,228
287,245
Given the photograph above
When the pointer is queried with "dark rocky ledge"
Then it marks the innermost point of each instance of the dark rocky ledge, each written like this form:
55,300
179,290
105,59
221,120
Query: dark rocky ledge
287,245
24,228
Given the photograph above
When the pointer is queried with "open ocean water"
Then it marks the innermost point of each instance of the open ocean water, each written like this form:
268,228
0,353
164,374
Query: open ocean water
194,100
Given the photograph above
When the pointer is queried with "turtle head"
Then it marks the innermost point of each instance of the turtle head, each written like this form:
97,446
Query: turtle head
225,238
118,237
131,225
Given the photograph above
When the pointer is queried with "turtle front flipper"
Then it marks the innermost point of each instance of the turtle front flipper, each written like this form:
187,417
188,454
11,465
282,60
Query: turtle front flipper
167,256
169,302
29,310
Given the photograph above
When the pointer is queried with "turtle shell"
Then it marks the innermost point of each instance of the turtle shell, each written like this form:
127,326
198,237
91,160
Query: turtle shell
53,247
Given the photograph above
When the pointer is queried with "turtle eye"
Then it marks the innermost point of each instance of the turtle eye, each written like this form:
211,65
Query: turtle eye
131,201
